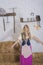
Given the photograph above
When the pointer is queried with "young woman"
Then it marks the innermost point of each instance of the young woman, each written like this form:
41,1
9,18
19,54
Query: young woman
26,48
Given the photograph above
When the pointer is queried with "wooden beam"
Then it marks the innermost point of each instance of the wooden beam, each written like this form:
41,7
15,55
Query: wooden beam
8,14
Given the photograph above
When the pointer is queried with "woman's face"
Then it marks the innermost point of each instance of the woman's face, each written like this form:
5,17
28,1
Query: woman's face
26,29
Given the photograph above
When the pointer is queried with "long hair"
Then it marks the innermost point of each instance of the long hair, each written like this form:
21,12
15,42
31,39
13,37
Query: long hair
28,32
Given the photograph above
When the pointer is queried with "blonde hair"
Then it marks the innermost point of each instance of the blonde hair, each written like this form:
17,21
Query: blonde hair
23,31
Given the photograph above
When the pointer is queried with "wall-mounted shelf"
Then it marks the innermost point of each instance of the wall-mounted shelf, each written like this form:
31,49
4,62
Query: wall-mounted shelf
27,21
37,19
23,21
7,15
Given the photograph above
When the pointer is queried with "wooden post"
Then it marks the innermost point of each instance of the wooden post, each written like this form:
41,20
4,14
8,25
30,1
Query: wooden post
14,20
4,24
14,23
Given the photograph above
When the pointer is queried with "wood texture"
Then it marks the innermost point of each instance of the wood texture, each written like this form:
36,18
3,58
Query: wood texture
11,56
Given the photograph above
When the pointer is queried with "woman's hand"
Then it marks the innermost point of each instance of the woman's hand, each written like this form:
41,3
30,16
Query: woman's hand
42,43
15,43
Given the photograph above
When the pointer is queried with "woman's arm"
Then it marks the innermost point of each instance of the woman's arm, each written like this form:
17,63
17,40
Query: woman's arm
15,43
36,39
